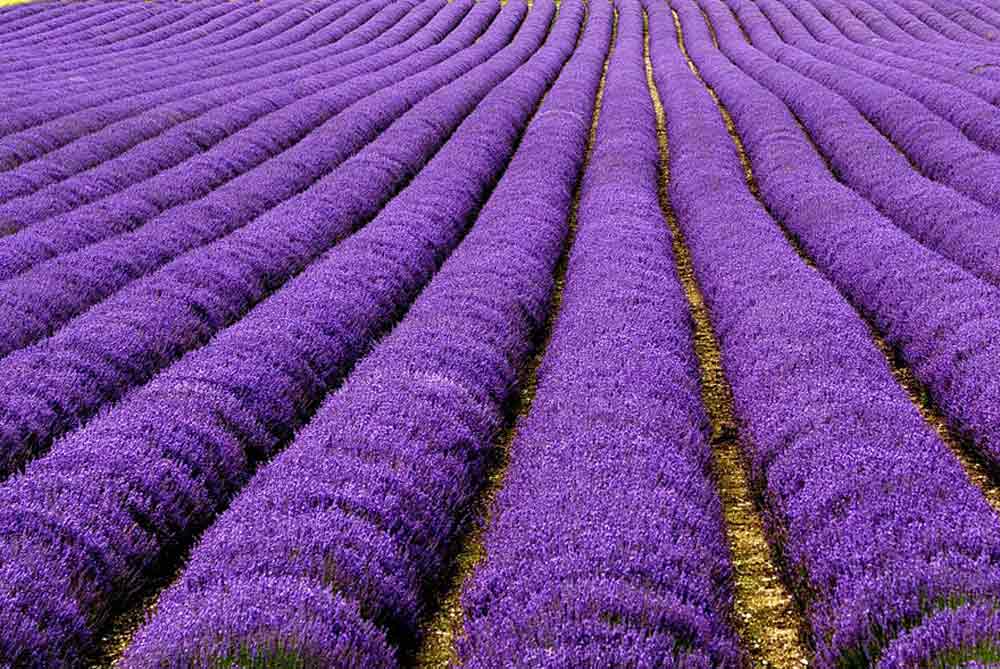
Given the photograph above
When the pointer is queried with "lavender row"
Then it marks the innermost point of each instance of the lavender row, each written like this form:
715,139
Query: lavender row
32,131
882,533
18,18
31,21
283,25
57,25
925,29
206,422
180,36
55,122
907,299
125,238
979,27
51,64
922,24
948,21
607,546
129,152
370,497
123,342
192,27
339,31
937,316
974,117
957,227
935,146
271,27
832,22
889,37
126,152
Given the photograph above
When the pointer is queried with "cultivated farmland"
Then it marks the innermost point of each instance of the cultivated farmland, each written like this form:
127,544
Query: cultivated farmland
458,333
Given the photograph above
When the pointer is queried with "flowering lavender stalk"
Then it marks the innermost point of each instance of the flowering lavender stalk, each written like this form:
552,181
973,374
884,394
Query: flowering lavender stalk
607,547
137,148
880,529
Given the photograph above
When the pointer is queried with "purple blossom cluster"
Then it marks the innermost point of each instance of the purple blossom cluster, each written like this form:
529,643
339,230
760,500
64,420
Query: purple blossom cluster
354,522
614,456
882,534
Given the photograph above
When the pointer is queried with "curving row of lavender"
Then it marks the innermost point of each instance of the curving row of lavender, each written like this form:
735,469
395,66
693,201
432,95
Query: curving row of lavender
149,142
880,531
614,454
112,345
181,41
210,387
129,189
31,134
273,276
371,495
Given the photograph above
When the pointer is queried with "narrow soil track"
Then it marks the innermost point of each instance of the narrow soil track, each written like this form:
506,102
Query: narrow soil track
766,616
119,632
437,647
974,466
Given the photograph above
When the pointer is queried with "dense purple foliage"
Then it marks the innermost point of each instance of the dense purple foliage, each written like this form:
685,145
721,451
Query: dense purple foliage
942,219
210,152
386,467
614,454
876,520
933,313
113,346
936,148
274,276
192,40
136,148
238,409
249,174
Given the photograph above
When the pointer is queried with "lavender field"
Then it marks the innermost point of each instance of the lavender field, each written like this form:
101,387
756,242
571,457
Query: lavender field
457,333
